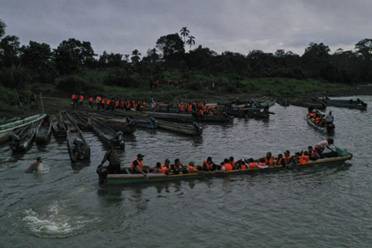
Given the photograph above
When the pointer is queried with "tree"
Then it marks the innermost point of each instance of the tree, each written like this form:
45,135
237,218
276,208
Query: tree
170,46
71,55
364,47
2,28
152,56
111,60
37,57
184,32
316,51
9,46
190,41
136,56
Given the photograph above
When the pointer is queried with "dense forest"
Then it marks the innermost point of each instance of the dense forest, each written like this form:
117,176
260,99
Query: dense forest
175,61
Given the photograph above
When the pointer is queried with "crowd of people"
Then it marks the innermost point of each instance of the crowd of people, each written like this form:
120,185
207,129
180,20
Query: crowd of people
107,103
111,103
323,149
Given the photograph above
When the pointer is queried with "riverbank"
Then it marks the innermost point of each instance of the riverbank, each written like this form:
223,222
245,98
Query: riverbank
55,99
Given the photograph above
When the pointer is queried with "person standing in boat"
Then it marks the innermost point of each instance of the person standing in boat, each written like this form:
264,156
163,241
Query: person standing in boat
329,119
114,165
114,162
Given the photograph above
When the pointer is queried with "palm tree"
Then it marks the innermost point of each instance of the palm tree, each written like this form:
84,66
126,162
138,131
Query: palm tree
190,41
184,33
136,56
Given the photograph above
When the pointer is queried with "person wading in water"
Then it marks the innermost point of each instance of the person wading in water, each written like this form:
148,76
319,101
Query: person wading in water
36,166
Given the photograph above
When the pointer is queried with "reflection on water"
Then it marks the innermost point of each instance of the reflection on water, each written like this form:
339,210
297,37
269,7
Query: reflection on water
66,207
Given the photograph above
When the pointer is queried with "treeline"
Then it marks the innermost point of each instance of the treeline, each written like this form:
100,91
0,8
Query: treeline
22,65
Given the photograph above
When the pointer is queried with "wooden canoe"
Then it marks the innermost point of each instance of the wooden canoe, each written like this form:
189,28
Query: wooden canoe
44,131
148,123
21,140
78,148
352,104
135,179
193,129
8,127
58,127
106,134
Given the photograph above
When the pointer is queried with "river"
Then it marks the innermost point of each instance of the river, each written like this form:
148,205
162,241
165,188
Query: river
328,207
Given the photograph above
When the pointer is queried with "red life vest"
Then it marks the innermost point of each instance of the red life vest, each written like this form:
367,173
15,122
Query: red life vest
243,167
252,165
81,98
228,167
164,169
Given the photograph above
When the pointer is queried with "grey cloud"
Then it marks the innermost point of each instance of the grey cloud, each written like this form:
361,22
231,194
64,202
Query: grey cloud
234,25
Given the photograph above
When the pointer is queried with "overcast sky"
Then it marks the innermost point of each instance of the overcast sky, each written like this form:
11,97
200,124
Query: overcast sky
233,25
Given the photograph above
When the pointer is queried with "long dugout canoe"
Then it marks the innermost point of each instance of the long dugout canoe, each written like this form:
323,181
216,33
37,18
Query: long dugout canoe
7,128
134,179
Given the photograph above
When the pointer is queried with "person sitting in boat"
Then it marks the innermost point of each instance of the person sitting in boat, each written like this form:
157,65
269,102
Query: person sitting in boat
191,168
313,153
326,148
77,150
227,166
137,165
209,165
36,166
303,158
157,168
279,162
120,139
287,157
269,159
232,161
165,167
176,167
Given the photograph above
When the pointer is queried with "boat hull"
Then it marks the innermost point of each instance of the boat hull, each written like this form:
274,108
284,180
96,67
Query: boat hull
135,179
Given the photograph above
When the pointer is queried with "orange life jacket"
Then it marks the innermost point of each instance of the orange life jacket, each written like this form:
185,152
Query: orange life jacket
243,167
164,169
228,167
252,165
303,159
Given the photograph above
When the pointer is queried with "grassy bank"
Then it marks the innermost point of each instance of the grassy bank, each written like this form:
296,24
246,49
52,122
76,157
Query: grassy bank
198,88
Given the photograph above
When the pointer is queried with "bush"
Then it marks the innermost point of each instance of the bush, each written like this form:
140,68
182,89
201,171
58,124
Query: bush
71,84
15,77
124,79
